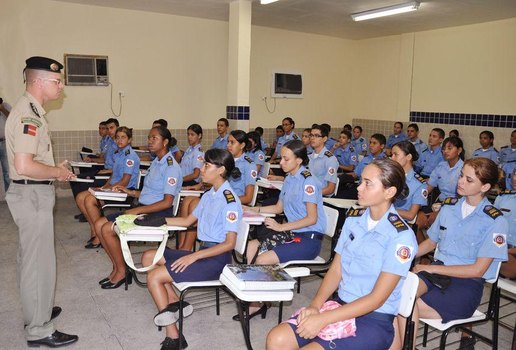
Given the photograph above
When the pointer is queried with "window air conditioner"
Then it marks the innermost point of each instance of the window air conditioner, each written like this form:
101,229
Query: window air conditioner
86,70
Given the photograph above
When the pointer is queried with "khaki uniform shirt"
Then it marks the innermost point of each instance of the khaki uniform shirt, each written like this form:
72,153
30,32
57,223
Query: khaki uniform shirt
26,131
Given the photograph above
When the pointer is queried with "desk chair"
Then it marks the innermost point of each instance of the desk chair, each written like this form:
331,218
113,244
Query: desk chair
508,286
408,300
492,313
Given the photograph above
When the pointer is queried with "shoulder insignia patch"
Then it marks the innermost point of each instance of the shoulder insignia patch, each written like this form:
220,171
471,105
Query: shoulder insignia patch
504,147
306,174
419,178
30,120
492,212
170,160
34,109
450,201
328,154
127,151
355,212
507,192
396,221
248,159
230,198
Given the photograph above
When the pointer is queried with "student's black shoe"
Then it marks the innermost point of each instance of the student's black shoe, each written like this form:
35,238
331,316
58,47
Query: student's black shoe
56,311
81,218
170,314
127,280
78,216
261,311
91,245
173,344
55,340
467,343
104,281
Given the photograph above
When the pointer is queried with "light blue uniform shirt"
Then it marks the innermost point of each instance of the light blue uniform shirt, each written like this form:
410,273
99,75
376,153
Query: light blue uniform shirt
284,139
361,145
218,213
446,178
394,139
264,145
389,247
164,177
173,150
220,142
346,156
428,161
103,144
247,177
329,143
417,192
506,202
490,153
508,169
258,158
309,150
366,161
298,190
507,154
126,162
192,159
420,146
324,166
481,234
109,156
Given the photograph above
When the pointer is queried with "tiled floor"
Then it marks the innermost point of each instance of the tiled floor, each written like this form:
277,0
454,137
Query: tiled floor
118,319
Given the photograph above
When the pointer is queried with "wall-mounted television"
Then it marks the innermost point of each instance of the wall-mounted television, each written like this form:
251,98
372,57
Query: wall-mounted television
287,85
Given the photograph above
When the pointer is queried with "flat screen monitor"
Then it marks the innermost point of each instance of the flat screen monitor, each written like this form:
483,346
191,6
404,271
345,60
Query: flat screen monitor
287,85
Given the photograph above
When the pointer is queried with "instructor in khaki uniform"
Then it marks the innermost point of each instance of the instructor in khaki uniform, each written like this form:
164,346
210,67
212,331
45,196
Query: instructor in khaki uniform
31,198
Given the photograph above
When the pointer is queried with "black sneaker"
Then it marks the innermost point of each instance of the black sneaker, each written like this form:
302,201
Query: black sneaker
467,343
173,344
170,314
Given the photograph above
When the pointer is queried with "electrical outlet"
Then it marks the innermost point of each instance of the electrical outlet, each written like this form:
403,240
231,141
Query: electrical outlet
264,98
121,93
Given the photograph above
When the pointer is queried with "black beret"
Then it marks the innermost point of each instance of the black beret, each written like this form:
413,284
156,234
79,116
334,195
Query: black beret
43,63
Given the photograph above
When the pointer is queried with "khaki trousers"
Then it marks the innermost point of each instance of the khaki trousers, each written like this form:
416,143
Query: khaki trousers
32,209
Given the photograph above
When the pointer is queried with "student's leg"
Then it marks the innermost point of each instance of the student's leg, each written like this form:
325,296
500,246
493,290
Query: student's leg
92,212
79,200
147,258
157,280
112,244
100,223
281,337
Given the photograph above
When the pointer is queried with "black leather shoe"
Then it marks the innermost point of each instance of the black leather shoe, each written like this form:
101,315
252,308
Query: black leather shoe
261,311
170,314
173,344
81,218
128,279
55,340
56,311
104,281
467,343
92,245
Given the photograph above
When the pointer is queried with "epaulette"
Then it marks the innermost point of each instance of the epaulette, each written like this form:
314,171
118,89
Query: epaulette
295,137
170,160
492,212
34,109
495,149
248,159
419,178
127,151
229,196
507,192
396,221
505,147
478,149
361,139
306,174
116,151
328,154
351,149
355,212
424,150
450,201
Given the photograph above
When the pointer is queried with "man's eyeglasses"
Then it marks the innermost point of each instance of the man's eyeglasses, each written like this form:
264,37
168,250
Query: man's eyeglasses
57,81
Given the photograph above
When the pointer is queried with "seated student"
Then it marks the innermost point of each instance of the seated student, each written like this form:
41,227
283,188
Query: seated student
395,137
453,132
288,126
372,258
104,138
279,133
112,125
376,146
193,158
221,141
330,142
322,163
508,153
470,235
125,173
347,127
444,177
301,201
218,216
161,186
506,202
305,138
406,154
359,142
254,151
259,130
345,153
487,150
176,152
413,137
242,181
433,155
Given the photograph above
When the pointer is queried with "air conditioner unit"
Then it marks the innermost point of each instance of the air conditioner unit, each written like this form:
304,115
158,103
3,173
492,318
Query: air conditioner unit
86,70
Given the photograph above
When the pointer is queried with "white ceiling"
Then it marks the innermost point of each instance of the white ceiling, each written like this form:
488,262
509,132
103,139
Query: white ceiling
332,17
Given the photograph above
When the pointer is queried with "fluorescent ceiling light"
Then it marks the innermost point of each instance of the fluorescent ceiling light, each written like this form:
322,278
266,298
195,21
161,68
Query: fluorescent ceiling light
385,11
265,2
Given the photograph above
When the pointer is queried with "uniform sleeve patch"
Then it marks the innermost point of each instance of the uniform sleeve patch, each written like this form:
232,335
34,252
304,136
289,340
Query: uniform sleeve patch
249,160
30,120
331,170
499,239
450,201
355,212
230,198
261,157
309,189
492,212
403,253
129,163
306,174
354,158
172,181
34,109
200,158
328,154
364,146
232,216
30,129
253,174
396,221
424,193
170,160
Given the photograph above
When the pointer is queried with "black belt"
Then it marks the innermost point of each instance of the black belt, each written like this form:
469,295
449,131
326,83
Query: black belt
309,235
33,182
